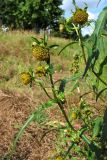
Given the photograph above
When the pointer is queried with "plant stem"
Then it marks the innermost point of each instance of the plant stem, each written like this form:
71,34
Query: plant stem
61,106
82,46
65,115
59,103
45,91
99,77
70,147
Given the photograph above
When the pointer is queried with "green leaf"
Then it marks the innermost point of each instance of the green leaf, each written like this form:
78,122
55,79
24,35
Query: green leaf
45,39
86,139
101,22
54,46
66,47
35,116
104,129
36,40
74,77
97,126
99,94
51,69
97,51
27,123
94,55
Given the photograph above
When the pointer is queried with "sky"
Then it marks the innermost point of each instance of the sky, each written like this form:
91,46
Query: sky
93,10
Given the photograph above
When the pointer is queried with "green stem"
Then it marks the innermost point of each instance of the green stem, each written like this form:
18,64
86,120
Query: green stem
65,115
59,103
63,111
82,46
86,139
69,150
99,77
45,91
61,106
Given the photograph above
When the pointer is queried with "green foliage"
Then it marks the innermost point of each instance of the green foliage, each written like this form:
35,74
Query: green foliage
97,59
97,126
30,14
82,133
44,42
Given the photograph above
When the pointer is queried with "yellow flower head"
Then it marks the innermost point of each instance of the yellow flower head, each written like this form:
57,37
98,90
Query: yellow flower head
80,16
25,78
40,71
74,115
59,158
61,27
40,53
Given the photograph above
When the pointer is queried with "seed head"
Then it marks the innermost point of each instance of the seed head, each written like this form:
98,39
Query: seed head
25,78
80,16
40,71
40,53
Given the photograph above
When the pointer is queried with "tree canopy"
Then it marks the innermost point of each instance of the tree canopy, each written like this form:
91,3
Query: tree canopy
28,14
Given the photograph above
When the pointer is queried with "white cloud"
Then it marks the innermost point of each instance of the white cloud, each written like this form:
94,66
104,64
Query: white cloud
89,30
92,15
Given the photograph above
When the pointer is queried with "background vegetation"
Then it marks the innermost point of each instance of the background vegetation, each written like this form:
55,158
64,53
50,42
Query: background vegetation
25,14
66,96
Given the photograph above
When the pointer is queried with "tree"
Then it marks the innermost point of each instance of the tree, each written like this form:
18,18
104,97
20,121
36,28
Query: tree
28,14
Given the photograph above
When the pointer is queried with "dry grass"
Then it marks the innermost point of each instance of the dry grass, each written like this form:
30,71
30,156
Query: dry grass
18,101
16,56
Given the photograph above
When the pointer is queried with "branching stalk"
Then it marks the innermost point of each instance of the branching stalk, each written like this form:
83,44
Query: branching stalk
59,103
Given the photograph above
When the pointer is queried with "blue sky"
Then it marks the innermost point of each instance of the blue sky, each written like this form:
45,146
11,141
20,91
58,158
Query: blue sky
93,10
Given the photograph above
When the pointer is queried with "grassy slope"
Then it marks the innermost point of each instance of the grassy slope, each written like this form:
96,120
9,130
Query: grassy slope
16,56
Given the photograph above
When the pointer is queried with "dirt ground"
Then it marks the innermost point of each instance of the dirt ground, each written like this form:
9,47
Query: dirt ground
14,110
